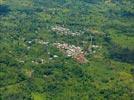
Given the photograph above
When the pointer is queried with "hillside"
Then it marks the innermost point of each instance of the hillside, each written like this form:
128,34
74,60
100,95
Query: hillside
66,50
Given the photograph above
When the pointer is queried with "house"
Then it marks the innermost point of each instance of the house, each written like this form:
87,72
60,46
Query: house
80,58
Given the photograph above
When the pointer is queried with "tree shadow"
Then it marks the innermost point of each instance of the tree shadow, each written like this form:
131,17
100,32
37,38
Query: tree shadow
121,54
4,9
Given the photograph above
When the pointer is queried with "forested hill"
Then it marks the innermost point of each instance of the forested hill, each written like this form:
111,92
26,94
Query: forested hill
66,49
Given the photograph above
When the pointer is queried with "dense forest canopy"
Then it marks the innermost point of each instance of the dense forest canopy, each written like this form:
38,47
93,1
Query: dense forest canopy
66,49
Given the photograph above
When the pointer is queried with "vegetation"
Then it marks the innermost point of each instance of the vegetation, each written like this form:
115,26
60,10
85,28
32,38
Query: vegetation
33,68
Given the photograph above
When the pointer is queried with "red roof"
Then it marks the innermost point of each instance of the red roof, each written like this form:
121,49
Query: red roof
80,58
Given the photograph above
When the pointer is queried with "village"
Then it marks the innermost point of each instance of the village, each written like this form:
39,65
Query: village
64,31
76,52
72,51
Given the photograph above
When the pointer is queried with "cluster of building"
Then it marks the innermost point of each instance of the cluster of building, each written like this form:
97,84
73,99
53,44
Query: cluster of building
37,41
38,61
64,31
72,51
